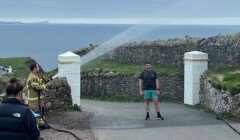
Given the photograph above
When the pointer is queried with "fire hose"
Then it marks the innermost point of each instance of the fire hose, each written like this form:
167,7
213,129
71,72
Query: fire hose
42,117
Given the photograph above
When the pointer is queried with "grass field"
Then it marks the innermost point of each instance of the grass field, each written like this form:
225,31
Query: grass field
128,68
18,64
226,79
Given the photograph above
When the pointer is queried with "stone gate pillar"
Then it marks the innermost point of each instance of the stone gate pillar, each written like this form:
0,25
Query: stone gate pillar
69,67
195,64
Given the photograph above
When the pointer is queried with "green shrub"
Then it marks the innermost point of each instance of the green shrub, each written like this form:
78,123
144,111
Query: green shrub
230,79
114,98
224,87
225,114
201,107
218,86
74,108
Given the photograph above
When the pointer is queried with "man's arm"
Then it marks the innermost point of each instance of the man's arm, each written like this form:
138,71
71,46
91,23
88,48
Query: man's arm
140,84
34,83
31,125
157,87
140,87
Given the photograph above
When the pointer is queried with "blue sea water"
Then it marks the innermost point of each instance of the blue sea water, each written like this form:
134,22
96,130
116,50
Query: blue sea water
43,42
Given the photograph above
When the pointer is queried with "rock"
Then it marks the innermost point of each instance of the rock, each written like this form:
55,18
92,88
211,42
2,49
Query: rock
48,105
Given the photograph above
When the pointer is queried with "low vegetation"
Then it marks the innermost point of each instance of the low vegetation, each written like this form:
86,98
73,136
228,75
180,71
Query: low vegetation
225,79
121,98
18,64
201,107
209,110
74,108
128,68
113,98
225,114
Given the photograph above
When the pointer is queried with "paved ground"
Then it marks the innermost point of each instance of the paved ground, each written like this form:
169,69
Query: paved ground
75,122
125,121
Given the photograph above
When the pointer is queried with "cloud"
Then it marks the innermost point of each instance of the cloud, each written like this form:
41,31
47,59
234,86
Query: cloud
93,9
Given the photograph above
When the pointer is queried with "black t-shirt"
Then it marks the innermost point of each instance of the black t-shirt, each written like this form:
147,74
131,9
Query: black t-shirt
149,80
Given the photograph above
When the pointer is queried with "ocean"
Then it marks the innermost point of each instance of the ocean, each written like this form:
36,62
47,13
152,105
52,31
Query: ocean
44,42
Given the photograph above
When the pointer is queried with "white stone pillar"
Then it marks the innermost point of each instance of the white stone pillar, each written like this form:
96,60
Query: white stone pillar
69,67
195,64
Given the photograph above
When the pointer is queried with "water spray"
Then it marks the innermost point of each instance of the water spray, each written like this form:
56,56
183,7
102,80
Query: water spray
126,36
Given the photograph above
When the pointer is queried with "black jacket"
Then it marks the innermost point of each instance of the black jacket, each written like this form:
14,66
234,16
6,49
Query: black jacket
17,121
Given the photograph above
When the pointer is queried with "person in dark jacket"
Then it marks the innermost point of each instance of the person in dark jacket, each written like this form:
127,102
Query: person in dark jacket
16,119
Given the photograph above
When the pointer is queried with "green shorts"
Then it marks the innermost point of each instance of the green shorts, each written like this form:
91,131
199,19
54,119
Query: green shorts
150,94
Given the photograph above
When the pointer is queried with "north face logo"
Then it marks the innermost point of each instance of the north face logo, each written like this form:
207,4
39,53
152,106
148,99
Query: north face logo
17,115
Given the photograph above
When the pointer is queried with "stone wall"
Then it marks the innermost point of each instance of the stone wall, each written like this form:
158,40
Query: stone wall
223,51
83,51
218,100
58,95
3,84
98,82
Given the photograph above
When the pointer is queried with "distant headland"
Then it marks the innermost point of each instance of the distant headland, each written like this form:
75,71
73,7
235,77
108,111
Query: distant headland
14,23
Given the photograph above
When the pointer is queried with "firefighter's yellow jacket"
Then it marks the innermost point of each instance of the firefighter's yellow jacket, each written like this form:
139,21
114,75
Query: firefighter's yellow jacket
34,85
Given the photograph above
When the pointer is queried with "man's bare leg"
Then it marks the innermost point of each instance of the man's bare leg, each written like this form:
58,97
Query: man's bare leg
155,101
147,109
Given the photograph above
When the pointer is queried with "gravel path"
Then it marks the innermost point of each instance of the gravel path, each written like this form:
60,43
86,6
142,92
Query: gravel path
75,122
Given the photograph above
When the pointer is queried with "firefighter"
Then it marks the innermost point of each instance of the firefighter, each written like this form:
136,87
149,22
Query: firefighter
35,87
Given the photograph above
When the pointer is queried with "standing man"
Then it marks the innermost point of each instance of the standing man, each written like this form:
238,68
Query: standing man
35,87
149,87
16,119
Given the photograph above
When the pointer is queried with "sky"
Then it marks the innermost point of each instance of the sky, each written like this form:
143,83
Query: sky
122,11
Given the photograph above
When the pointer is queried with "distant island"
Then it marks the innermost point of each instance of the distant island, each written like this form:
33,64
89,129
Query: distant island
7,22
4,22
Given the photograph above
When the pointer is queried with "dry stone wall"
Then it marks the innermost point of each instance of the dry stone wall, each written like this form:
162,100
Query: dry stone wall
223,51
218,100
96,82
58,95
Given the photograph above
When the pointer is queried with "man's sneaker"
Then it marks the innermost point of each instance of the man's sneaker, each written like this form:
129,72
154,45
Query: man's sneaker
159,117
147,117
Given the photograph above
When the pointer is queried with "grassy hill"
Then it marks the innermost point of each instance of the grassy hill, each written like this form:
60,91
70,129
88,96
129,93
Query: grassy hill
19,65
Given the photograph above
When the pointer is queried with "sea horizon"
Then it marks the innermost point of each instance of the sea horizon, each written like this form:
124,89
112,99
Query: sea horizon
44,42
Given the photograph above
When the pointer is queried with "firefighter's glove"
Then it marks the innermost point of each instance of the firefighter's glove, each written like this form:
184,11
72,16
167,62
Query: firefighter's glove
44,88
